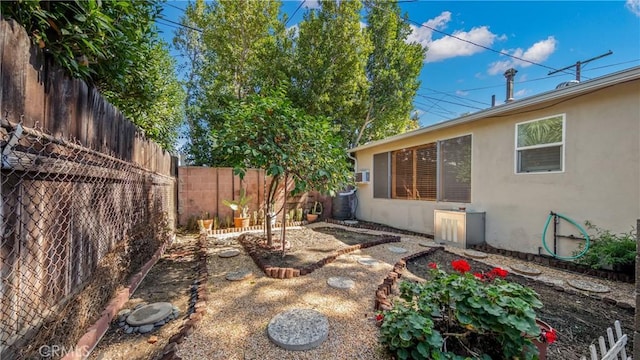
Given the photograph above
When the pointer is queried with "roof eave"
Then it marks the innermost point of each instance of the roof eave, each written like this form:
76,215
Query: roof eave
556,94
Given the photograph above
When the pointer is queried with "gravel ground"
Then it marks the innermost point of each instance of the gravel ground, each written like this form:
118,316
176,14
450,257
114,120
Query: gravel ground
239,312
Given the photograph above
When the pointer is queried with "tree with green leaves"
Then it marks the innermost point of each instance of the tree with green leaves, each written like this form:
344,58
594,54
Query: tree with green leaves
266,131
239,51
393,67
114,46
331,53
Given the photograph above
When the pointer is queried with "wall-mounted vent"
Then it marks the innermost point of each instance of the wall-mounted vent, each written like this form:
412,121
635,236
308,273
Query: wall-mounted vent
363,176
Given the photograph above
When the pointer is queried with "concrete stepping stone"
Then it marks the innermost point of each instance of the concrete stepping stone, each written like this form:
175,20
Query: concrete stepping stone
238,275
368,261
149,314
298,329
526,270
588,286
475,254
229,253
397,249
426,244
340,282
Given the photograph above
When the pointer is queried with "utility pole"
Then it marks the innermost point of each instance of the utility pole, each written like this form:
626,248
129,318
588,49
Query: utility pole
578,65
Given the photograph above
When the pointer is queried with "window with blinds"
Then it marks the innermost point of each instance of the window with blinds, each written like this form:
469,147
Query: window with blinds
439,171
455,165
426,172
540,145
402,176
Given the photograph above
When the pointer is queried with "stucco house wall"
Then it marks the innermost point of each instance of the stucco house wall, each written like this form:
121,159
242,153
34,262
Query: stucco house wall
600,181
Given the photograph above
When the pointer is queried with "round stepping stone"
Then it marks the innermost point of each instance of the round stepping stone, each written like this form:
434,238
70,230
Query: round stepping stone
238,275
588,286
340,282
149,314
368,261
475,254
298,329
229,253
526,270
397,249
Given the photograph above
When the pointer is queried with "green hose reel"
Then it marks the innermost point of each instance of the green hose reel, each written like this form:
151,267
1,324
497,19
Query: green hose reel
553,215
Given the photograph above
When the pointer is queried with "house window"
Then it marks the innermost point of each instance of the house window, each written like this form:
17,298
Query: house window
436,171
540,145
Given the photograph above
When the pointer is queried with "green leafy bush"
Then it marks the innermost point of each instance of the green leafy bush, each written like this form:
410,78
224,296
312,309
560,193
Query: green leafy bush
463,316
609,250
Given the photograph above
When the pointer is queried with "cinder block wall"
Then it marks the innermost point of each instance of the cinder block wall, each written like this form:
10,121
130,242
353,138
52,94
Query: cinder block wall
203,189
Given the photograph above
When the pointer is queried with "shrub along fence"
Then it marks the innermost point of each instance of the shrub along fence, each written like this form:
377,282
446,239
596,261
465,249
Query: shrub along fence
86,200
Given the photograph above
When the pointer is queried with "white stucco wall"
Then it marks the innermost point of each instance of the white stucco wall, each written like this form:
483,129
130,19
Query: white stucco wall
600,181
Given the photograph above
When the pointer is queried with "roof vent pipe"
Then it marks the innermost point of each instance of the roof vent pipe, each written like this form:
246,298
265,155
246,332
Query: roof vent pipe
510,75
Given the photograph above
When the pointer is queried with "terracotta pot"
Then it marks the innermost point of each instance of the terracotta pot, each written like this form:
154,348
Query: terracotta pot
312,217
241,222
205,225
542,345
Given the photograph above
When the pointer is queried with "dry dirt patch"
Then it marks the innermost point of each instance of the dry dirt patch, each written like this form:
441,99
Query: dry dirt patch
169,280
308,245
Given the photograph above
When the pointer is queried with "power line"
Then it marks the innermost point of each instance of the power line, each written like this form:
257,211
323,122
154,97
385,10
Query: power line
407,19
455,96
179,24
294,13
175,7
450,102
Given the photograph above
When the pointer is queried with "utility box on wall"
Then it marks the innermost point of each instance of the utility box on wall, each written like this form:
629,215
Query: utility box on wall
458,227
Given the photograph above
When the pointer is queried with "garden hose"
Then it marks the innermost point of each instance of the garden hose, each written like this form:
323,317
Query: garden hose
544,235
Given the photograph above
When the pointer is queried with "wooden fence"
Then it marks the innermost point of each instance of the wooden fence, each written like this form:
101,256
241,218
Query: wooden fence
79,183
41,96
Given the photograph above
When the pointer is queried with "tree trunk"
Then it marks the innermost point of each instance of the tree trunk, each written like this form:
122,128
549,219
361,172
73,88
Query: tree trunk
284,215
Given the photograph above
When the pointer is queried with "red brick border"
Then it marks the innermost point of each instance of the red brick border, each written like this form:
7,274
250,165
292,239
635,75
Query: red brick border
288,273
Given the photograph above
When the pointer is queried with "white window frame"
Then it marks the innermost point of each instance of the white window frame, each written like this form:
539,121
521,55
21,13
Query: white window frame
561,144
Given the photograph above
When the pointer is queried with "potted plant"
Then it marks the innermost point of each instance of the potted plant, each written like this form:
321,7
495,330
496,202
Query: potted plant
316,211
241,206
462,315
205,222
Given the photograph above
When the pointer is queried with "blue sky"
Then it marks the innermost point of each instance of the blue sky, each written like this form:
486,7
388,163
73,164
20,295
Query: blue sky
459,77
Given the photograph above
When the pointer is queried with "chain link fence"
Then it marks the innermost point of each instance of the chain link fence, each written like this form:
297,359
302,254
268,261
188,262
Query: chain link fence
75,223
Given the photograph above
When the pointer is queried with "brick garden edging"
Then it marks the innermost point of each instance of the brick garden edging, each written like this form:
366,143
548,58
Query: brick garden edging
288,273
197,303
390,282
559,264
95,332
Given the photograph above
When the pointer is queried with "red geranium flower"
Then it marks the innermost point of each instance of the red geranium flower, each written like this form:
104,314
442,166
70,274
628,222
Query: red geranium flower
379,317
499,272
479,276
432,265
550,336
461,266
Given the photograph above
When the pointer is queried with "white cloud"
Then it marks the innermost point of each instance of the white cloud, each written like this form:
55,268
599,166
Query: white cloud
448,47
295,29
633,6
462,93
537,53
363,25
311,4
521,93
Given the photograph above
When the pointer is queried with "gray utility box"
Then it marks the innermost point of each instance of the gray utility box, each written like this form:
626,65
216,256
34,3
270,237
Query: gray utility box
458,227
